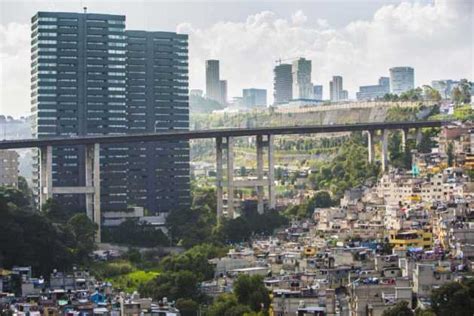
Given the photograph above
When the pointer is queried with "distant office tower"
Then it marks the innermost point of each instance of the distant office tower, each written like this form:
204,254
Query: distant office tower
254,98
91,77
213,86
445,87
402,79
302,86
367,93
9,168
282,84
336,88
78,88
344,95
157,100
318,92
196,92
223,92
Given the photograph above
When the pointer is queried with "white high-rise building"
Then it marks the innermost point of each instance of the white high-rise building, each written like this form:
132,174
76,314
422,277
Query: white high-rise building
302,85
336,89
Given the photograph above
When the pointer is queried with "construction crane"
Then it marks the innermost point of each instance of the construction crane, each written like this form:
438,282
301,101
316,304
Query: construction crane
278,61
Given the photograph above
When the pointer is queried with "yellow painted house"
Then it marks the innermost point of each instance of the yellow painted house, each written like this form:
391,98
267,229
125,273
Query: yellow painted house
402,240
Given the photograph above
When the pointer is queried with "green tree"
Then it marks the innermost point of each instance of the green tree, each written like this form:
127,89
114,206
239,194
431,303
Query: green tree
431,94
29,238
83,232
55,211
187,307
173,285
450,153
227,305
454,298
400,309
251,291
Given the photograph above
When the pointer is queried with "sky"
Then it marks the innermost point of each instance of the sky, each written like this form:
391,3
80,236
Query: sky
359,40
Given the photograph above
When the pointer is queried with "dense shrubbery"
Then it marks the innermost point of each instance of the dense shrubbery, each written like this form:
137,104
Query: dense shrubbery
199,224
348,169
32,239
133,233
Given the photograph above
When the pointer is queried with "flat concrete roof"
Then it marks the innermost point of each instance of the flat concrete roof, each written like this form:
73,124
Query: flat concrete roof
213,133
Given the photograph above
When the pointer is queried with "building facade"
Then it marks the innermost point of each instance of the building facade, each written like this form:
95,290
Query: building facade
318,92
213,86
374,92
253,98
282,84
157,101
78,88
9,168
92,77
302,86
402,79
223,92
336,89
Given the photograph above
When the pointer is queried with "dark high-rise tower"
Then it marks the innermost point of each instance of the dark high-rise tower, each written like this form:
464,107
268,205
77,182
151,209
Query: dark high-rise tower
78,88
89,79
157,98
213,85
282,83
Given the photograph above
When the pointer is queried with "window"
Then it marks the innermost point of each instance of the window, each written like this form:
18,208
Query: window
117,44
47,35
117,36
116,22
47,19
115,51
115,29
47,26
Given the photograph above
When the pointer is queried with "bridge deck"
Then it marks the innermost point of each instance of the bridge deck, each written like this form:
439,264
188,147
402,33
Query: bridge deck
213,133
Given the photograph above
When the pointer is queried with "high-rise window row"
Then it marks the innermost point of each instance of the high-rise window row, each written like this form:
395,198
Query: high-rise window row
89,76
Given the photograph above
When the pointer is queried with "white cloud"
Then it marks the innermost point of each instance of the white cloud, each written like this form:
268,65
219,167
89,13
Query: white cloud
435,39
15,69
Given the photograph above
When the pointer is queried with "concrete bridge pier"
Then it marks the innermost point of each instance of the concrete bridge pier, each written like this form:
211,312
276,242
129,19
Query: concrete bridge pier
260,188
230,177
405,132
271,173
419,136
384,150
46,174
370,144
91,188
219,179
230,184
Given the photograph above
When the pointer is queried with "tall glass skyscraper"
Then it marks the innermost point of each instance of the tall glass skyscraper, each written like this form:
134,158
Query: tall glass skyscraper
402,79
86,81
282,84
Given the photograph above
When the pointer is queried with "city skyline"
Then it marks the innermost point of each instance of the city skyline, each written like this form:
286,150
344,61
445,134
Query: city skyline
360,47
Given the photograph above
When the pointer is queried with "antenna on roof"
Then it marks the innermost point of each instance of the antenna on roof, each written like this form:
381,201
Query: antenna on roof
85,9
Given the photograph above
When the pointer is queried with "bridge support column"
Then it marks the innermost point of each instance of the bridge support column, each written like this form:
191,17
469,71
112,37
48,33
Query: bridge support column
271,174
404,139
260,188
419,136
370,144
91,189
384,150
230,177
219,179
46,174
96,185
